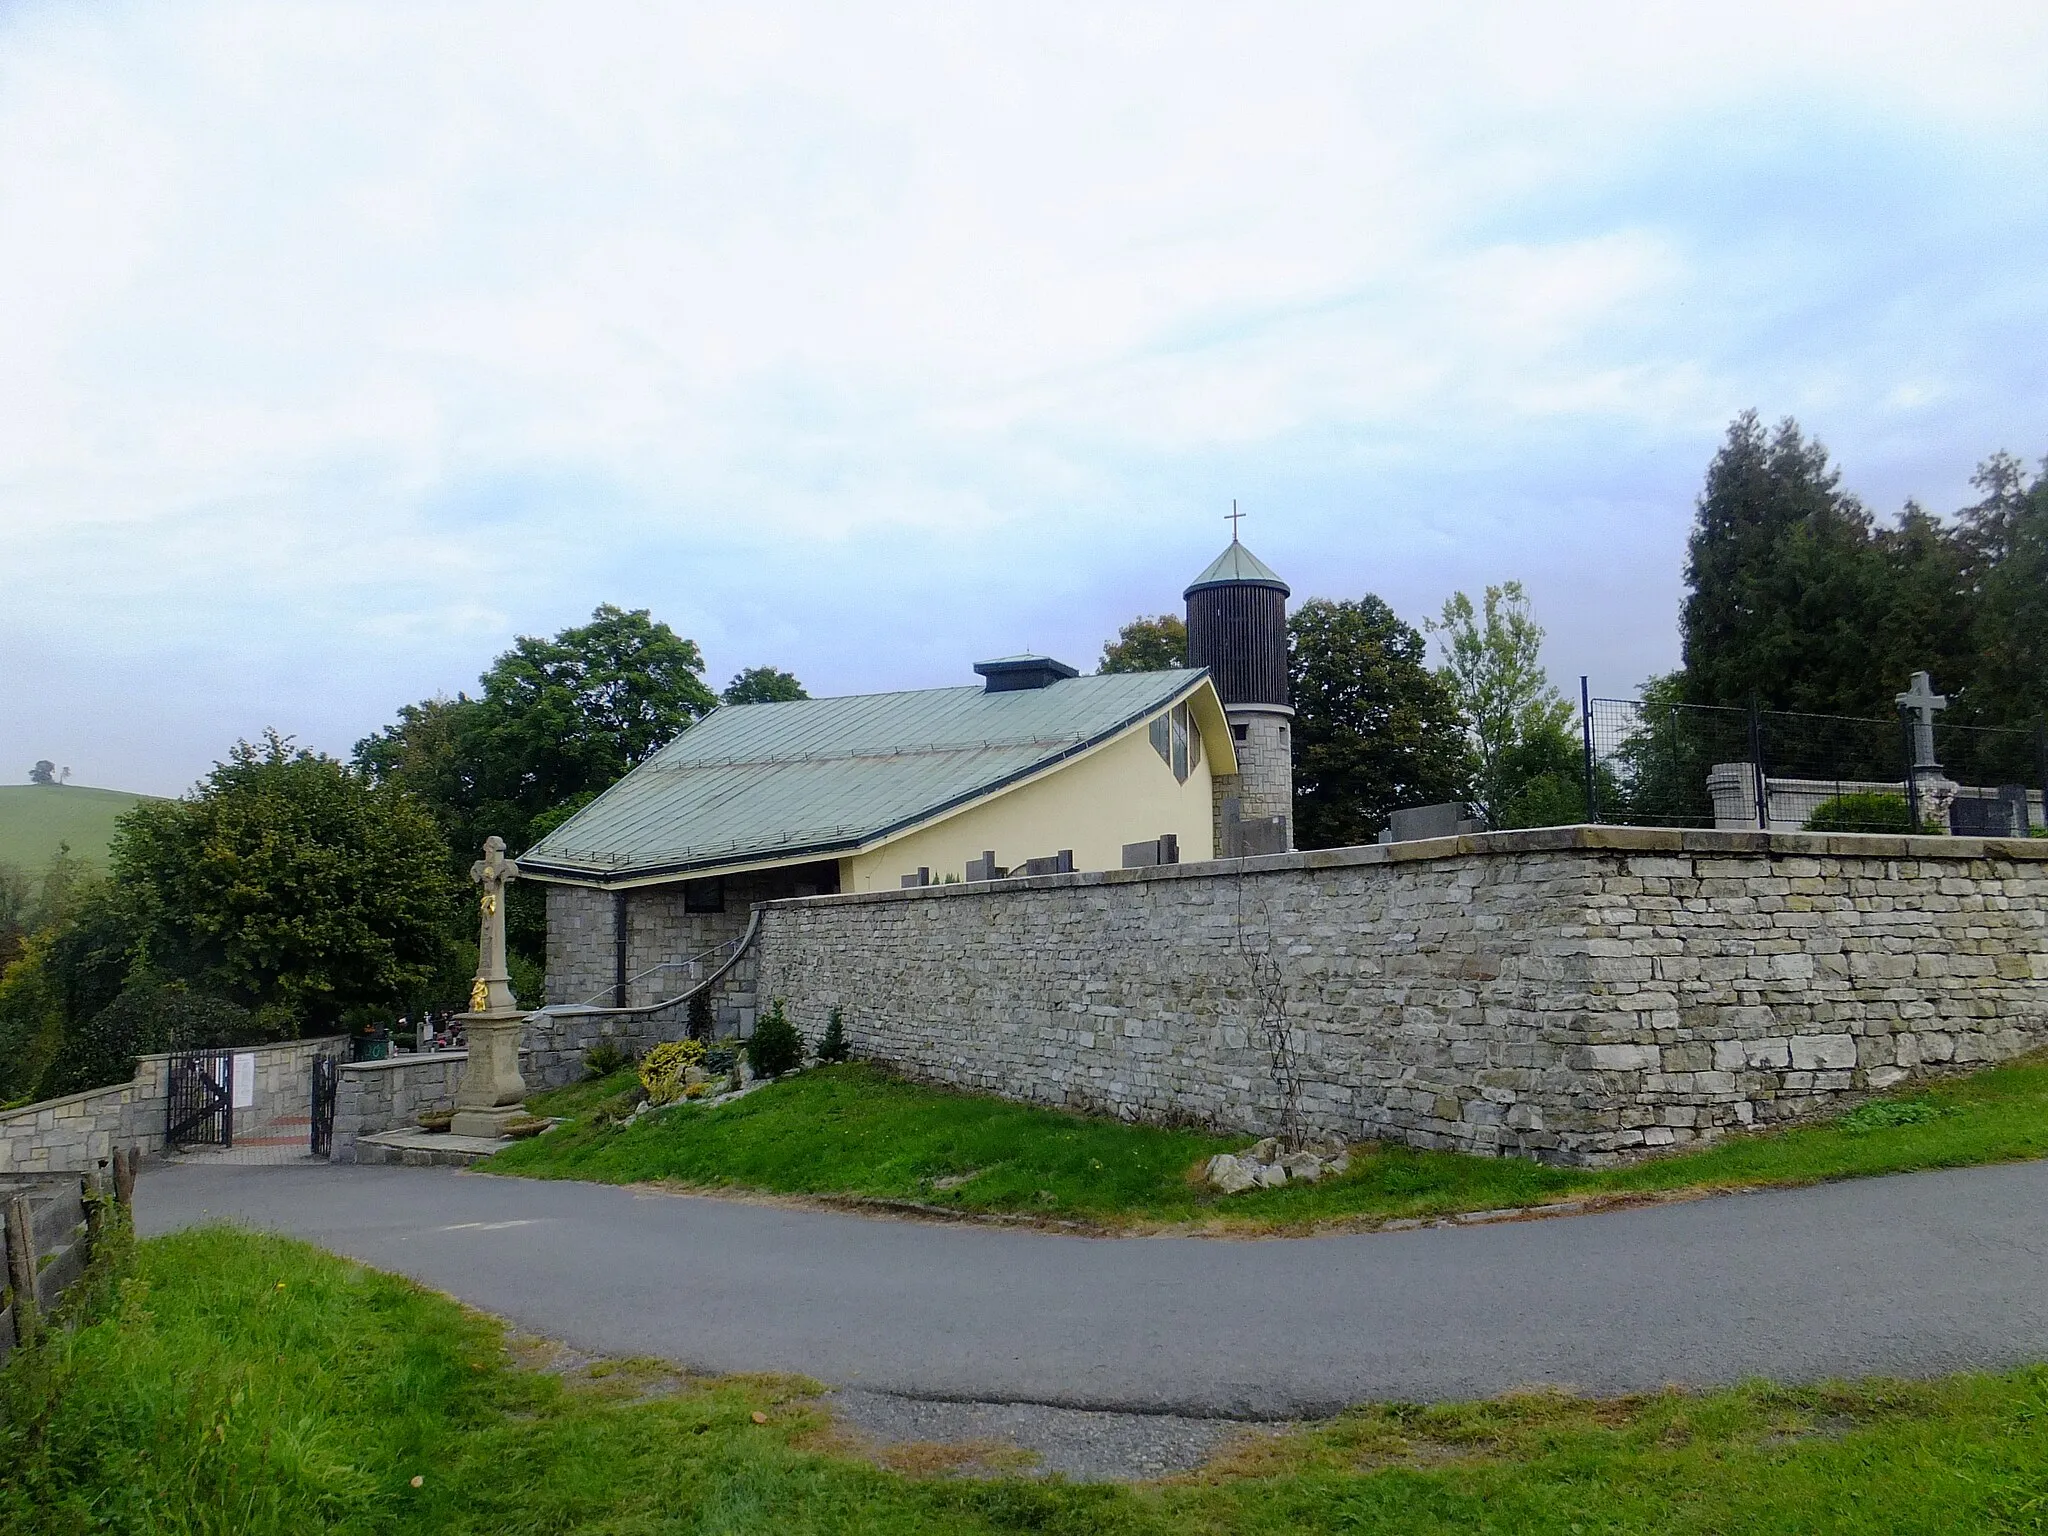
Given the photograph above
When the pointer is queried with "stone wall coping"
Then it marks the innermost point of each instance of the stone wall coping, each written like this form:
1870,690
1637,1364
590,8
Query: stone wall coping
1588,839
408,1059
108,1089
414,1059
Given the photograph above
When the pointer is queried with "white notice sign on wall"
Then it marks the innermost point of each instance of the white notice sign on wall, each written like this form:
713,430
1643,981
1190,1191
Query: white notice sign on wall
245,1080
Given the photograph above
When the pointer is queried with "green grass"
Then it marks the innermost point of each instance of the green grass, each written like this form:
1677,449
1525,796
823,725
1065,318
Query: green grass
257,1386
37,819
854,1131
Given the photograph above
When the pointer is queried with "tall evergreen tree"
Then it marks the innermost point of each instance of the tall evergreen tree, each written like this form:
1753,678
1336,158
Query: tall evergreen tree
2006,538
1784,580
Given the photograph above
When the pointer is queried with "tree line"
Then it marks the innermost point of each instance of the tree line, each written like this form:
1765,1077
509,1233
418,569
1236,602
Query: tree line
1376,728
1797,598
291,893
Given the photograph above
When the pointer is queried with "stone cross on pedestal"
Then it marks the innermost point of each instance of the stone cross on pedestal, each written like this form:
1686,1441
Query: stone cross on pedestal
492,992
493,1089
1922,701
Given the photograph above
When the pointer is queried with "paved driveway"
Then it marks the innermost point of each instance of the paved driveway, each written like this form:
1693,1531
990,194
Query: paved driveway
1911,1275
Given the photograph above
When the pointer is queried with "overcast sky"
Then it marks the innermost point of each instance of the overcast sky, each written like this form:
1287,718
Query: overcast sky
341,344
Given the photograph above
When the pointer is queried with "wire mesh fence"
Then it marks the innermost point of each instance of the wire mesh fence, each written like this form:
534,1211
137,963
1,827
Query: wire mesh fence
1655,763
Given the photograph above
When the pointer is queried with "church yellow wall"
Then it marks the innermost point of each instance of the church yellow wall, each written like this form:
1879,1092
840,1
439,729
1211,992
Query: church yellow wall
1119,793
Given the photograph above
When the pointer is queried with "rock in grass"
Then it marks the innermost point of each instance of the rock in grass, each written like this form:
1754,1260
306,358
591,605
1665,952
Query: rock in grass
1231,1175
1263,1165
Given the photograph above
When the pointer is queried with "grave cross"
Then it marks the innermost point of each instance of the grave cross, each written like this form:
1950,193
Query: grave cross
1922,701
493,988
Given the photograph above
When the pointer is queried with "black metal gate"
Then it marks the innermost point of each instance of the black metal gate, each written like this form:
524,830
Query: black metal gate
326,1077
202,1100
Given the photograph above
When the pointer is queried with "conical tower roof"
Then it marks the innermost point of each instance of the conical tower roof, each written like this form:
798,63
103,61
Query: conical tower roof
1237,566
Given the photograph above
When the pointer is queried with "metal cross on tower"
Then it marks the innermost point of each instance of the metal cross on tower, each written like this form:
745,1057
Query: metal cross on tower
1234,519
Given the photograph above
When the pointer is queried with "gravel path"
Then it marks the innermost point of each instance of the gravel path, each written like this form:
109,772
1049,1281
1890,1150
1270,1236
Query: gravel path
1083,1444
1911,1275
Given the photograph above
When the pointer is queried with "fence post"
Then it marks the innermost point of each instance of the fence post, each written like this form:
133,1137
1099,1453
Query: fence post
21,1267
1756,763
1586,729
2041,754
1912,775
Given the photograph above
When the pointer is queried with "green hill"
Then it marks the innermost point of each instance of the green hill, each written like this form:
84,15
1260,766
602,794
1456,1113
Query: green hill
36,818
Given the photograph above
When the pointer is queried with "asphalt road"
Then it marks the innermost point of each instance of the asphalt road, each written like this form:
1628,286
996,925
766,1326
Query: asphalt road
1912,1275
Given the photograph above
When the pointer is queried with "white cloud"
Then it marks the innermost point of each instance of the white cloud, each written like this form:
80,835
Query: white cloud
344,342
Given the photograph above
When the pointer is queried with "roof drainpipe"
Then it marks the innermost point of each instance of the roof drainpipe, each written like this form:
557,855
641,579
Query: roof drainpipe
619,944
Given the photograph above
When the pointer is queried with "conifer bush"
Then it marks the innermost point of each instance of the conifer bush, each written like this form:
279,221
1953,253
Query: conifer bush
775,1047
661,1074
833,1046
701,1022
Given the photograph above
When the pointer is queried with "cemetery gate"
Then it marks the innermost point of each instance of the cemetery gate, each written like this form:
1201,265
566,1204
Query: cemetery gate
201,1110
326,1080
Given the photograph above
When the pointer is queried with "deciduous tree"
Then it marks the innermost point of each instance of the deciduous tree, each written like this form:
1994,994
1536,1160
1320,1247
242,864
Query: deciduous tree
1374,728
763,685
1147,645
289,884
1519,725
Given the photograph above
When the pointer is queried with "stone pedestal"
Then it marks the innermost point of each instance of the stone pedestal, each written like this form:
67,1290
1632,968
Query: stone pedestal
493,1091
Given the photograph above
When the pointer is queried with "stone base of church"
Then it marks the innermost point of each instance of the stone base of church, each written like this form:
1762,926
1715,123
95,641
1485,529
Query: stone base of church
489,1123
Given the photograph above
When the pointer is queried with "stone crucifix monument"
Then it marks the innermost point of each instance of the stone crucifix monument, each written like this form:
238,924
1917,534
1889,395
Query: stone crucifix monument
1931,792
493,1091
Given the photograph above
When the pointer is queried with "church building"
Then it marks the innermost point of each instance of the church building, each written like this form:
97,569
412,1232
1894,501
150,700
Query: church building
1035,770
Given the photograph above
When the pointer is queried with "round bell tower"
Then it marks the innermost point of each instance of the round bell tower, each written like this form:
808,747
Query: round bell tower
1237,628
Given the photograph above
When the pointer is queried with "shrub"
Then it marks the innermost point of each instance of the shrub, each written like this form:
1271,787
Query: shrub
605,1058
775,1047
1864,811
619,1108
142,1020
1881,1114
701,1022
834,1047
720,1059
661,1073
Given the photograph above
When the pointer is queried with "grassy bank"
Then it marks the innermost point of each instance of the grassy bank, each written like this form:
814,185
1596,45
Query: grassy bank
38,819
255,1385
854,1131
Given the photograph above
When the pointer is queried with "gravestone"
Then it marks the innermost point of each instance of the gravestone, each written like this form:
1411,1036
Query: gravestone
1244,837
1453,818
985,867
2002,815
1930,792
1164,849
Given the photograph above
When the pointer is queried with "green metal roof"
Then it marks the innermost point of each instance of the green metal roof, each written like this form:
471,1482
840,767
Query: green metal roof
760,783
1236,564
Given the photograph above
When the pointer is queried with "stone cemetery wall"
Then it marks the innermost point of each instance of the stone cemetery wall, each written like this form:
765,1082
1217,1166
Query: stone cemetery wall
73,1133
372,1096
1576,994
582,952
